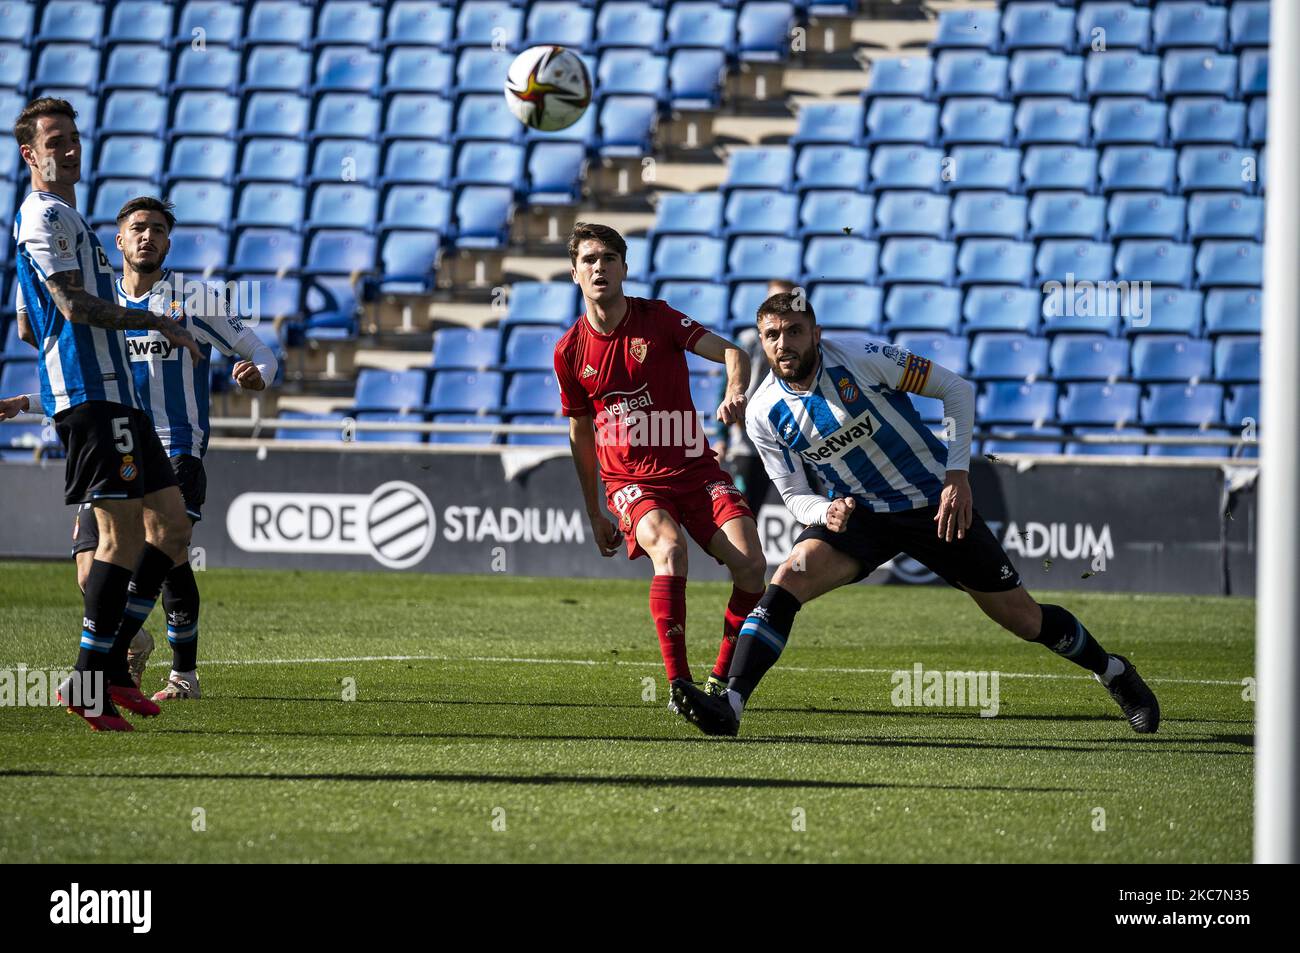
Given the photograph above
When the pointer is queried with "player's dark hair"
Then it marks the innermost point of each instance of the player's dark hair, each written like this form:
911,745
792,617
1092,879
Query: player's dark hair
147,203
609,237
785,304
25,124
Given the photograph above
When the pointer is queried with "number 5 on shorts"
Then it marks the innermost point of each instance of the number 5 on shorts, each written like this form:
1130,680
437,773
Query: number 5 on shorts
123,441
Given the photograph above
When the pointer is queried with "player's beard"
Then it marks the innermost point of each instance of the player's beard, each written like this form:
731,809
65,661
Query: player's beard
145,264
802,368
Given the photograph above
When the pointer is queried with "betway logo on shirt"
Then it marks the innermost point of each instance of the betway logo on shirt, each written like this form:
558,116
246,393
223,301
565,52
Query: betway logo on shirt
841,440
150,347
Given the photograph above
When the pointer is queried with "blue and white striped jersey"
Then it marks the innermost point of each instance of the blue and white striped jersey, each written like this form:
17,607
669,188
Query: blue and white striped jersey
77,362
858,432
171,389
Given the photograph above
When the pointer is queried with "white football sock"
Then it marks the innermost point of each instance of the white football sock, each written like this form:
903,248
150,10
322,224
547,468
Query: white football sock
737,703
1113,667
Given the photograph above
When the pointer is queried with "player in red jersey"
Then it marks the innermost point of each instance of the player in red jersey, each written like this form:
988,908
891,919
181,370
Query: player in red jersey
625,386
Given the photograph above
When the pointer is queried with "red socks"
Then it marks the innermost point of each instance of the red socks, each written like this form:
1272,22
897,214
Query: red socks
738,609
668,609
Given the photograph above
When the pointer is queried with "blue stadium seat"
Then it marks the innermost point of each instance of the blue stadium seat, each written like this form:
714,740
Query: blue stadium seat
900,119
1122,73
1233,311
983,167
277,69
1067,215
16,20
129,156
488,23
465,436
1164,311
1241,405
1136,168
1216,167
1248,23
634,72
128,112
112,194
275,114
1157,261
471,349
1257,121
342,205
1045,73
67,64
339,252
1237,358
1128,119
970,73
483,216
19,377
1146,215
1184,450
15,62
975,119
1006,402
1164,357
408,260
833,211
705,301
638,260
1190,405
695,78
901,167
689,213
489,163
1199,73
1001,355
481,70
201,203
416,161
995,261
196,113
558,24
1097,404
833,167
278,160
753,258
267,250
763,30
827,258
1089,357
967,28
1037,25
347,69
543,302
1052,120
76,20
629,23
213,68
198,250
345,115
278,298
912,212
418,116
559,437
481,116
923,308
379,390
1077,448
1206,119
136,67
947,349
219,21
848,307
1119,25
1189,24
1043,440
1060,167
331,429
918,259
422,23
706,394
1253,80
761,212
278,21
390,436
532,392
1086,261
900,76
531,348
626,125
349,21
269,203
830,123
695,23
1220,263
994,308
746,296
1225,215
417,69
761,167
688,257
555,173
988,213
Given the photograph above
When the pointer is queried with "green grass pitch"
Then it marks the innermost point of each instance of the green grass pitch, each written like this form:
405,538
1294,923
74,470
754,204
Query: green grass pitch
517,727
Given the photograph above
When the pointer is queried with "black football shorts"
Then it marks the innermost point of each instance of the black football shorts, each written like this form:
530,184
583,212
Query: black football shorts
113,453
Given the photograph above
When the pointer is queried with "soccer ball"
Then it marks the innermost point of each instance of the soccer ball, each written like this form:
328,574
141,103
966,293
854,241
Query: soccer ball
548,88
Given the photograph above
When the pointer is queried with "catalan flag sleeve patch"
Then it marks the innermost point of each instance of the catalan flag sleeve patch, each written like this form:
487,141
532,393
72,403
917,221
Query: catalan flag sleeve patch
915,374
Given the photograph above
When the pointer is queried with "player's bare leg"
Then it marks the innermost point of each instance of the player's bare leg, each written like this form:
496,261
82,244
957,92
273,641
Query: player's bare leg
1056,628
173,534
665,543
736,544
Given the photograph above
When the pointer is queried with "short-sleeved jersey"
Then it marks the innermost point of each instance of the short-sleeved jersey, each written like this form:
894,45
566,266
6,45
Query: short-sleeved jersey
855,427
635,385
172,390
77,362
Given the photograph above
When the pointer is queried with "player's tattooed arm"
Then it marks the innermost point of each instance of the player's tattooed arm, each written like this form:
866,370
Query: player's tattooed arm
81,307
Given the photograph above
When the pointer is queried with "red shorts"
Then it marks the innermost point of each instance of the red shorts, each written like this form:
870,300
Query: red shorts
700,507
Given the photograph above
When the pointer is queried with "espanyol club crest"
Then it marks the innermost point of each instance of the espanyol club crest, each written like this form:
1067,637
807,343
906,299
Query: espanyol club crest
127,470
638,347
848,390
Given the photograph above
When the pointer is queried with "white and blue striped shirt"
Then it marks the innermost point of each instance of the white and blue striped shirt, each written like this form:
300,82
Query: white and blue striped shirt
77,362
857,431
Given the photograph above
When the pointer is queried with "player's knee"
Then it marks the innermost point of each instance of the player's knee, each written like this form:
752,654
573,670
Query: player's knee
750,569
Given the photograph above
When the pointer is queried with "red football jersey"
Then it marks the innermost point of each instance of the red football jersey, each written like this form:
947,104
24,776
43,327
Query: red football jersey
635,385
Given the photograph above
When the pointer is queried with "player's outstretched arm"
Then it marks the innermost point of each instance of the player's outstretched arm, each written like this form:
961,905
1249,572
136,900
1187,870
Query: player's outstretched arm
13,406
715,348
25,332
81,307
582,441
956,504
